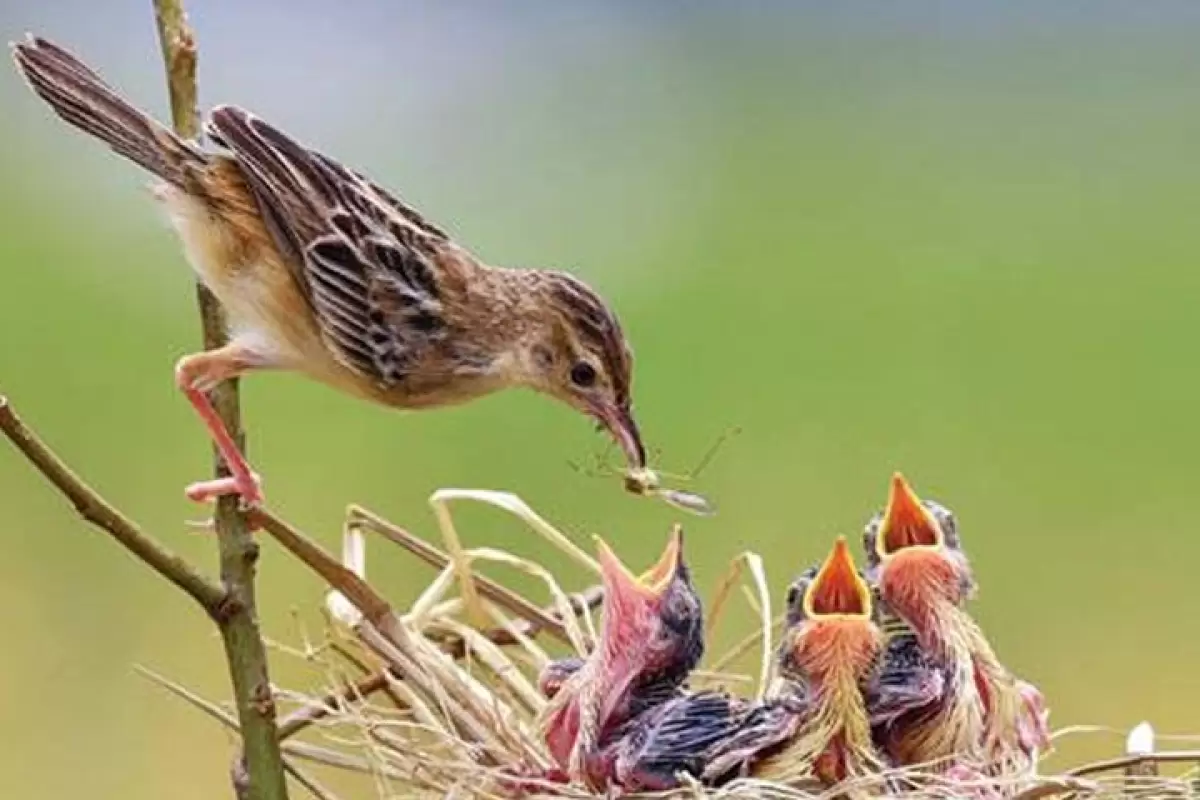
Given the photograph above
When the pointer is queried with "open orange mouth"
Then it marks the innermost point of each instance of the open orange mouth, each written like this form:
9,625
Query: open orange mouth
838,590
906,521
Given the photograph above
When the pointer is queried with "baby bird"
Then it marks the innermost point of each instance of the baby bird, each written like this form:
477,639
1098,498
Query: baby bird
815,724
978,711
324,272
652,637
653,730
830,648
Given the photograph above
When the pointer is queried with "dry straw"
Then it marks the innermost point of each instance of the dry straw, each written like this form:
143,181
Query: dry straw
439,699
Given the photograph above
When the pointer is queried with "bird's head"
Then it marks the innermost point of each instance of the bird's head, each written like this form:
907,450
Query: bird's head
654,622
830,618
579,355
914,553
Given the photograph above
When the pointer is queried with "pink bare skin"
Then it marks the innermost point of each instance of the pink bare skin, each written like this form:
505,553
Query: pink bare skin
195,375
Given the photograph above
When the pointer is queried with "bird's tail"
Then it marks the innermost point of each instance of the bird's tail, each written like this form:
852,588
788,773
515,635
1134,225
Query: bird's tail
82,98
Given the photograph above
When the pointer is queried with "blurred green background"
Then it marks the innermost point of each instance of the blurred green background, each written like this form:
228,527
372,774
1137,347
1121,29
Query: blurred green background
958,240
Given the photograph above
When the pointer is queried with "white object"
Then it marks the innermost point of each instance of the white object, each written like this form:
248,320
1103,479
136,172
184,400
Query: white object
1140,741
354,558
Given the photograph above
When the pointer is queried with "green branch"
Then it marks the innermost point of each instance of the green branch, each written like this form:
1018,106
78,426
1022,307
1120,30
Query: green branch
244,648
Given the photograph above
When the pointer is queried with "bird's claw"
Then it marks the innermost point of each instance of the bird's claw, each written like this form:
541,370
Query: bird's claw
249,491
249,487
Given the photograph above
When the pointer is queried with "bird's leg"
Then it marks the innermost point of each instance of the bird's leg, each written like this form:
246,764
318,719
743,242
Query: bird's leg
198,374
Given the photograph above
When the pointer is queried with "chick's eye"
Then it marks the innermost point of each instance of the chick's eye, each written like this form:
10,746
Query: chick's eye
583,374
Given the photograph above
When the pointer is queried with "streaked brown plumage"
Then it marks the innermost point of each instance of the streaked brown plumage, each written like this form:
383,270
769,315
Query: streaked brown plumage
324,272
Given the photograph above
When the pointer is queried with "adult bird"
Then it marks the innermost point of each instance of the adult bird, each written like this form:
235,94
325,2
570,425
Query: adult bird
983,714
651,638
830,648
324,272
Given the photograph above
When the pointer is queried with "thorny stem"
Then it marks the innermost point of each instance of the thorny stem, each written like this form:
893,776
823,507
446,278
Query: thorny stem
543,619
244,647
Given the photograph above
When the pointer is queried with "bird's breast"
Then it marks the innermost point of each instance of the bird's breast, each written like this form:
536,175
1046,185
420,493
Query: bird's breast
265,307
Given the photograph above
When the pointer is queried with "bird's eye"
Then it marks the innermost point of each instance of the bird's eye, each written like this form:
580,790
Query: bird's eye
793,596
583,374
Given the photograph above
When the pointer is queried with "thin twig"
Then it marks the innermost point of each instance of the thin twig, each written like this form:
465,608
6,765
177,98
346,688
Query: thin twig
98,511
308,782
317,710
1108,765
360,593
244,647
539,618
452,644
1054,786
455,646
241,775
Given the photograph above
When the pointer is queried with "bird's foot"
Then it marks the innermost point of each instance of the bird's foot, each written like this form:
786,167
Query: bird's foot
206,491
247,486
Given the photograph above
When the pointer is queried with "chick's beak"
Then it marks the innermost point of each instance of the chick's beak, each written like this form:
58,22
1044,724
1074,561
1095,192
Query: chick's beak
624,590
659,577
906,522
838,589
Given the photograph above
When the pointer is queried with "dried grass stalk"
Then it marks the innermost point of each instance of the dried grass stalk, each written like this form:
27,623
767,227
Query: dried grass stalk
464,705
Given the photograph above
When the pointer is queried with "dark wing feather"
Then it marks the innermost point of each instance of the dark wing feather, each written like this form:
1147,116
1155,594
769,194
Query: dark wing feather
364,260
906,680
672,738
761,729
410,214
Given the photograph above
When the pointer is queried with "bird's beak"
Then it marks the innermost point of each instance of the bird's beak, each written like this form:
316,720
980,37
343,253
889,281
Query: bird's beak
838,590
623,428
906,522
623,590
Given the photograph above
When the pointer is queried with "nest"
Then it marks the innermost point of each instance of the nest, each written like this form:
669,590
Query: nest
440,699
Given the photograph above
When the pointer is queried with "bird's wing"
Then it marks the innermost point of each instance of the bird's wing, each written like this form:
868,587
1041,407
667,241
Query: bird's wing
760,729
655,693
672,738
906,680
366,262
